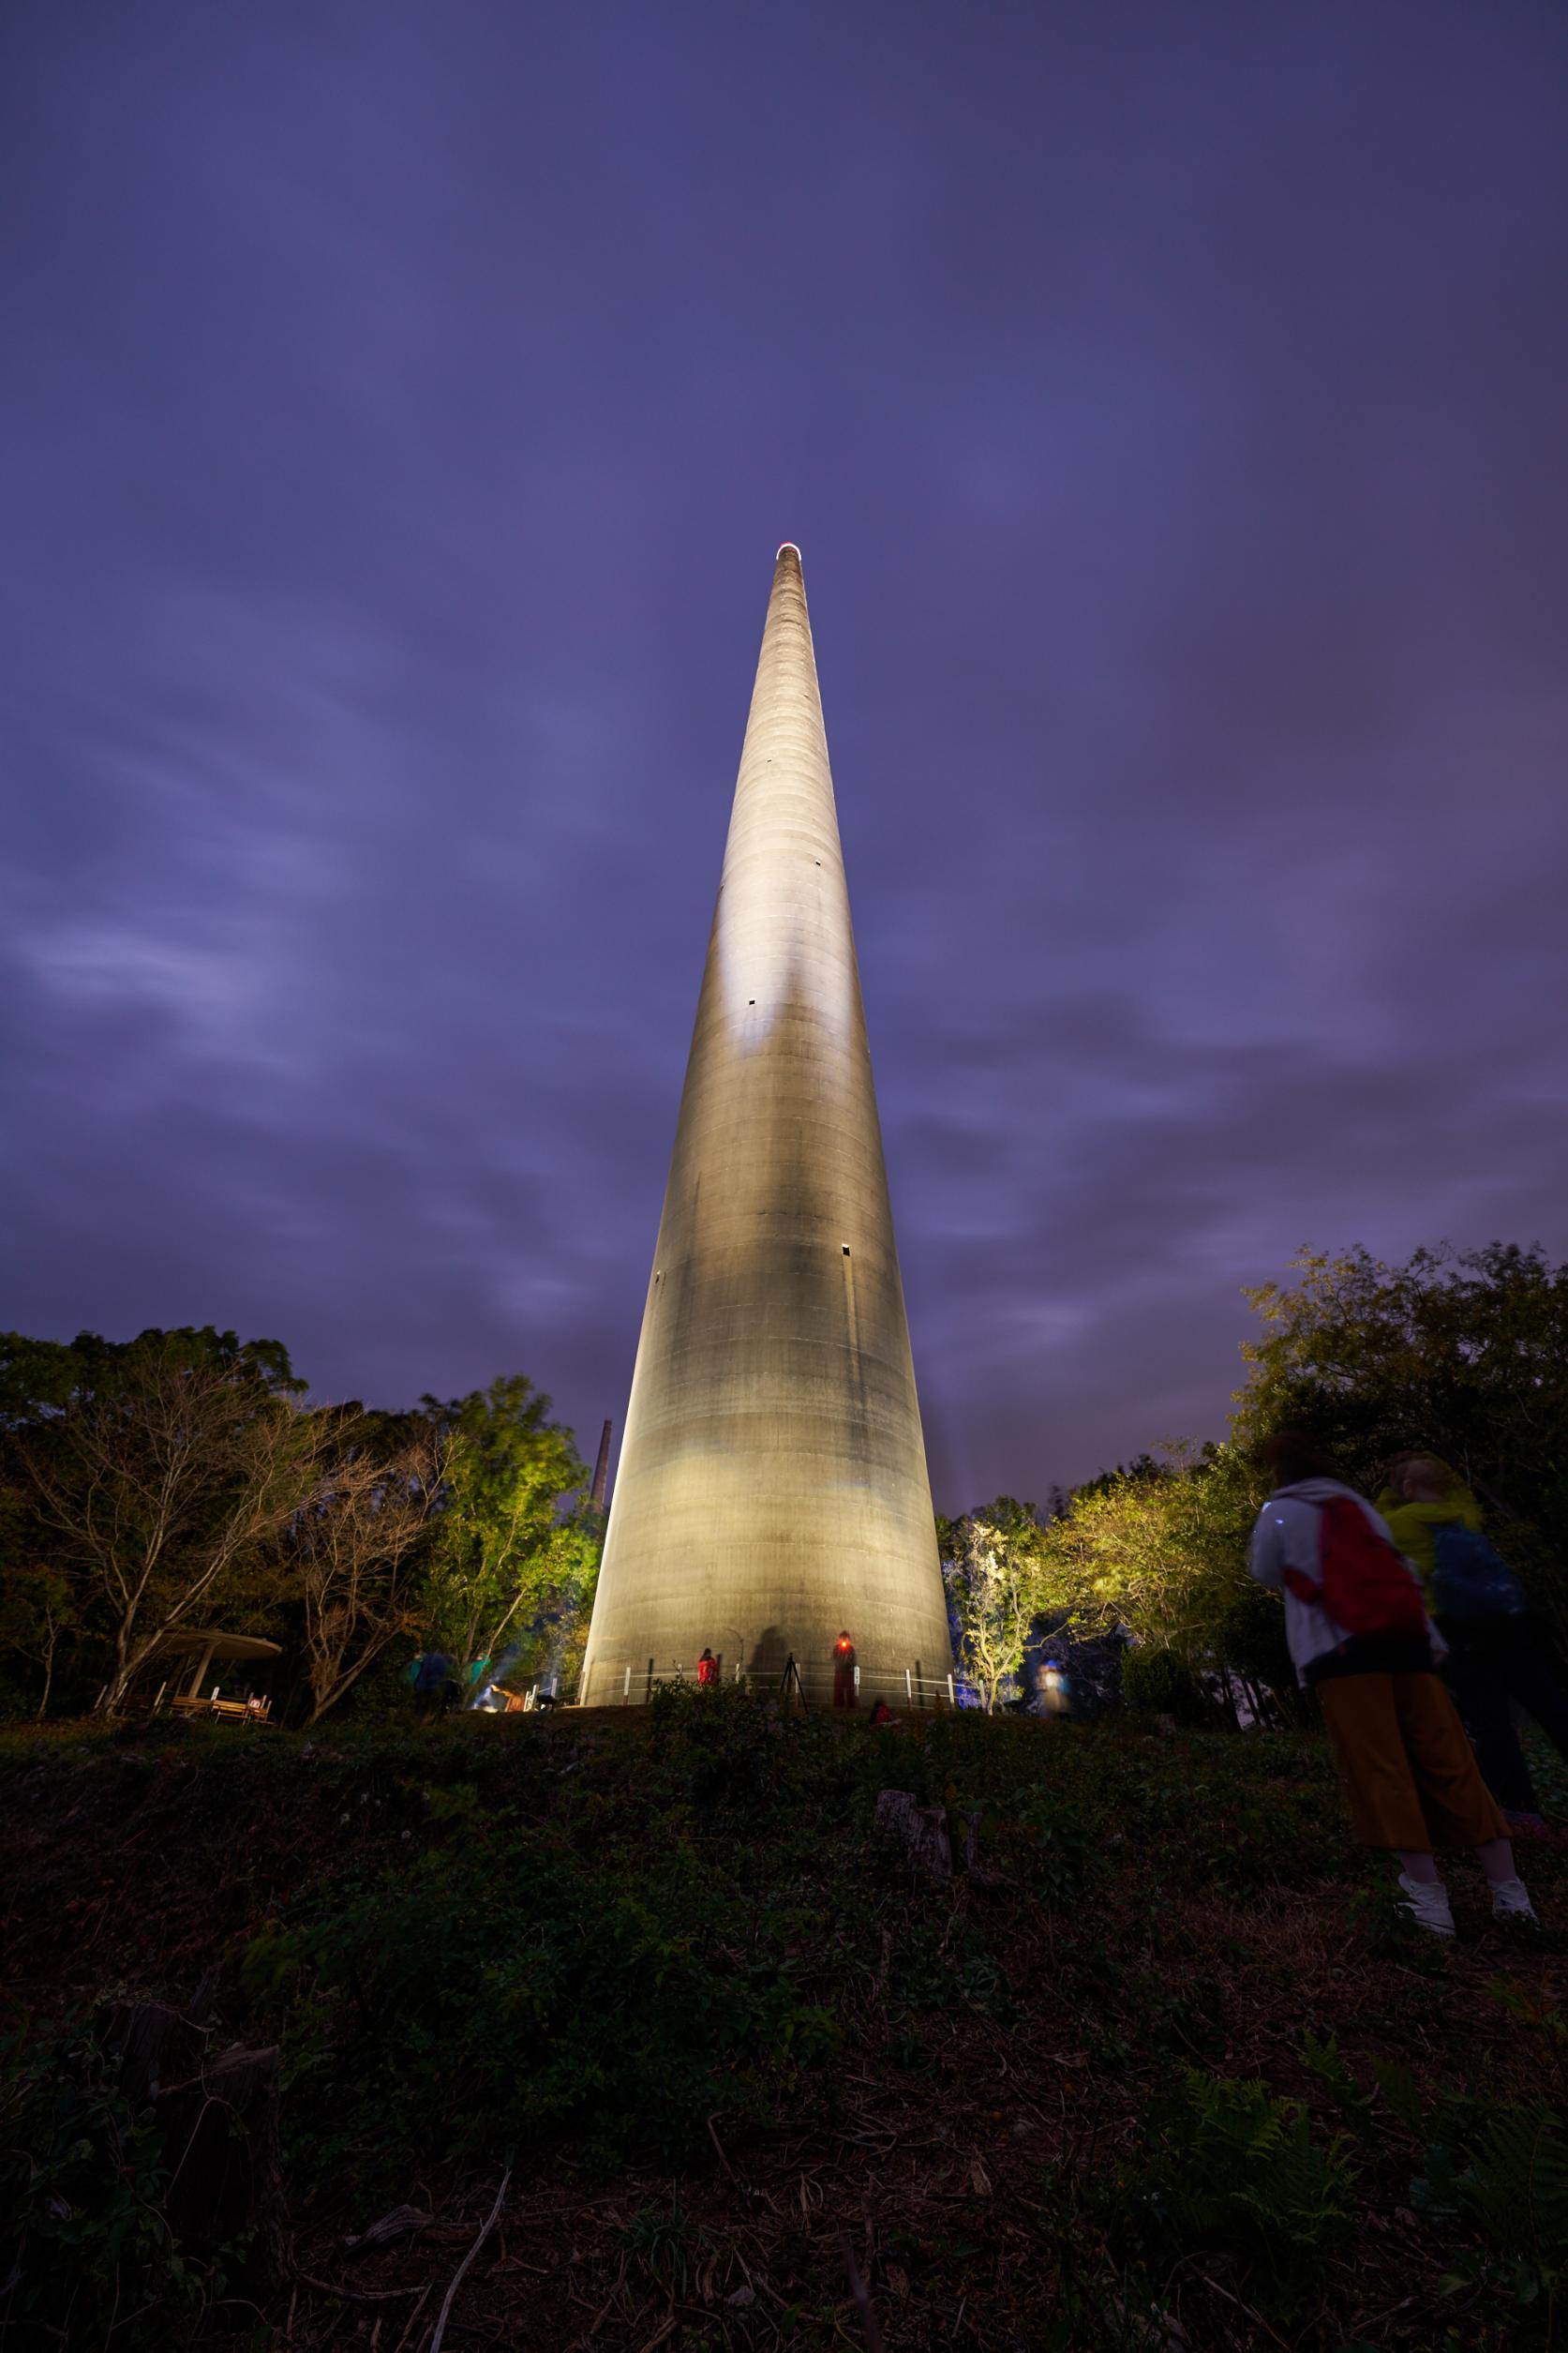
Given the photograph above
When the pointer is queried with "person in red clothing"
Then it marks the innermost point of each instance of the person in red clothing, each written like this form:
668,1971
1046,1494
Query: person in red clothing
707,1670
845,1693
1405,1765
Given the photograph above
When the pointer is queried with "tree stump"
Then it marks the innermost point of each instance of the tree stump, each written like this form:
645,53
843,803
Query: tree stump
218,2118
157,2045
922,1831
220,2144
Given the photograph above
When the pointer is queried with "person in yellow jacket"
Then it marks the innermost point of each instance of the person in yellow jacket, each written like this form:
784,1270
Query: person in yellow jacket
1498,1651
1412,1519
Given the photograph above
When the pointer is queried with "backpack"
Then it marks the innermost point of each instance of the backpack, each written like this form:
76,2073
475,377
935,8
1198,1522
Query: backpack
1470,1578
1366,1586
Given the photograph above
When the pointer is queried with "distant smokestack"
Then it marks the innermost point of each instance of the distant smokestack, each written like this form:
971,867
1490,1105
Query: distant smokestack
601,1469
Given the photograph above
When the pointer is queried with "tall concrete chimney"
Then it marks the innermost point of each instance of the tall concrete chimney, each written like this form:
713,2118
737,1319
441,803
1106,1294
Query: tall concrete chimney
601,1469
772,1487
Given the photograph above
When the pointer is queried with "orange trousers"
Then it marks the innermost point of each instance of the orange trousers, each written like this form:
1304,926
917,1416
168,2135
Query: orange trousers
1406,1766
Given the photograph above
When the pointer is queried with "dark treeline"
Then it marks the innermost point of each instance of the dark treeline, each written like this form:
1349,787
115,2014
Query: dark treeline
178,1481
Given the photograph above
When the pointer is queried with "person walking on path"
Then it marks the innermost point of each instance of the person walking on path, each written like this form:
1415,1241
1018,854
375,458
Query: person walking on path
1359,1636
708,1671
844,1691
1498,1652
430,1692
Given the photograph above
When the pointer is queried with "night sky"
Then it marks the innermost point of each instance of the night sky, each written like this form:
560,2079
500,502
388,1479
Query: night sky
399,408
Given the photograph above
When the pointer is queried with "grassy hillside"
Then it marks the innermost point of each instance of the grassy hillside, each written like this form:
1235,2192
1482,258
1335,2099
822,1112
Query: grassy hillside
1162,2072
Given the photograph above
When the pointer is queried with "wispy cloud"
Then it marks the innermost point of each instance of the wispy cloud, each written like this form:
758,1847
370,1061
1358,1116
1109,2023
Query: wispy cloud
397,416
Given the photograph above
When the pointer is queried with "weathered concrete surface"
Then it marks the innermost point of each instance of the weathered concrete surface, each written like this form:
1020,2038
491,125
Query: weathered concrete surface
772,1484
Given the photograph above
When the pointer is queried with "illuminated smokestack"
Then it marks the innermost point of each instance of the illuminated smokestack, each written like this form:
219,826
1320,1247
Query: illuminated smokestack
772,1481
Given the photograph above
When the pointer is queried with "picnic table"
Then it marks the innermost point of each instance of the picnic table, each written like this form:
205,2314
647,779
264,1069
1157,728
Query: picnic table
241,1711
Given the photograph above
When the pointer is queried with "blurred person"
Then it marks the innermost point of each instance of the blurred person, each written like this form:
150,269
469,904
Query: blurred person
708,1671
845,1686
1360,1637
1498,1651
1056,1690
431,1691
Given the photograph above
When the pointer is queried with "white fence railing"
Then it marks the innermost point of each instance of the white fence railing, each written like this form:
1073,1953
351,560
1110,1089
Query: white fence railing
628,1682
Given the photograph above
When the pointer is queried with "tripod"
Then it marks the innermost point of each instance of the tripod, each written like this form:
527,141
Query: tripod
789,1681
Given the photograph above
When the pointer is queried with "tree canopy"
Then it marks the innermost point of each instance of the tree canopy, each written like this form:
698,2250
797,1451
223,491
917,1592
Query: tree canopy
1461,1353
155,1476
178,1479
503,1554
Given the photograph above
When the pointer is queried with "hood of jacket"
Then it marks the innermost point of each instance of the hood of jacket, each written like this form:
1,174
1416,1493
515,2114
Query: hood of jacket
1316,1490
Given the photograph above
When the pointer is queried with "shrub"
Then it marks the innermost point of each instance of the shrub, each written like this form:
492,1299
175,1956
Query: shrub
1228,2165
508,1989
86,2254
1054,1843
1504,2173
1160,1682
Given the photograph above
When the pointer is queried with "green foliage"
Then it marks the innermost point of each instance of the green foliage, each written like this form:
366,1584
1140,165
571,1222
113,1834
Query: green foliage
1516,2188
174,1479
580,1955
1503,2172
1322,2055
1161,1553
1498,2171
155,1476
663,2244
1059,1853
1158,1681
40,1616
1397,2088
724,1751
1100,2304
989,1566
1463,1354
506,1986
86,2254
1228,2165
583,1939
504,1557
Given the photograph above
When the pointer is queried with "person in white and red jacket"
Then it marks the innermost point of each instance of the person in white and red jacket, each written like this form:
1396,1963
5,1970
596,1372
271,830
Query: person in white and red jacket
1409,1772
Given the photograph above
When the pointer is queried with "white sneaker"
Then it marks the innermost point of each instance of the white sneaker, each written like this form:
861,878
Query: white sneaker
1426,1903
1511,1901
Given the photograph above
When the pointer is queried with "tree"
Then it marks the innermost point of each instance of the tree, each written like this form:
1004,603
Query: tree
990,1565
1115,1558
551,1647
1161,1553
165,1469
38,1607
1464,1354
38,1613
503,1555
355,1550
